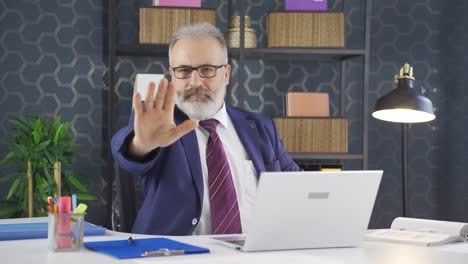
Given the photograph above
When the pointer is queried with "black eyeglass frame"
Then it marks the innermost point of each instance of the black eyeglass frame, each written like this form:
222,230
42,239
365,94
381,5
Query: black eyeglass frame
216,67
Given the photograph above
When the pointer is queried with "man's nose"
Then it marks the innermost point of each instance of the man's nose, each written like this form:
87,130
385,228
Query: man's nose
195,79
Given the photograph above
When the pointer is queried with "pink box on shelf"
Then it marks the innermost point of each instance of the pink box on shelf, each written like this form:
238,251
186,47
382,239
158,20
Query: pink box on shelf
180,3
306,5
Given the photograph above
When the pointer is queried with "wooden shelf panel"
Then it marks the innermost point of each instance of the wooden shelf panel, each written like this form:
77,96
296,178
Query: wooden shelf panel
326,156
160,50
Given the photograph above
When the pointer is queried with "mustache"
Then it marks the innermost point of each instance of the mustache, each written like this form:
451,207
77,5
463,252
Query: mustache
197,91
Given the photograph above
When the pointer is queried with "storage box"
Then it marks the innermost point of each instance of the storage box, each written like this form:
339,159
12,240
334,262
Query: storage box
305,29
158,24
325,135
306,104
305,5
181,3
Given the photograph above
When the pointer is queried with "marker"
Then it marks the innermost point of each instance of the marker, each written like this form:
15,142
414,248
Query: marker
73,202
80,209
64,227
50,204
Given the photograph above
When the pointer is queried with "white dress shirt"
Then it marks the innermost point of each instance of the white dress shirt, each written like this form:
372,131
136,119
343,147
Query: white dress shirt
242,170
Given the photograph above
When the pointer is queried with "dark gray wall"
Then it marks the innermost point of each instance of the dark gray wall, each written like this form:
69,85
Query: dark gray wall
432,37
52,62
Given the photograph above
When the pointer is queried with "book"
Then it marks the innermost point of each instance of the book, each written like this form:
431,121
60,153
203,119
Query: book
299,29
313,134
307,104
420,232
305,5
137,248
180,3
40,230
158,24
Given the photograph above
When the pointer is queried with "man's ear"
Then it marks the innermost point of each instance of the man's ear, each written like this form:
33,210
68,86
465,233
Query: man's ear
170,75
227,73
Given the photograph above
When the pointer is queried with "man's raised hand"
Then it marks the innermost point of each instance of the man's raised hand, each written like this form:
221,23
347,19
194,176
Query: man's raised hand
154,123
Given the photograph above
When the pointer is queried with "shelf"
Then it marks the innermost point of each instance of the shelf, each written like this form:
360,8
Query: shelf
160,50
326,156
152,50
298,53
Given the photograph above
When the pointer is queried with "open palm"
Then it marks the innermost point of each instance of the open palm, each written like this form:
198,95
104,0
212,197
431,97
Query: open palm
154,122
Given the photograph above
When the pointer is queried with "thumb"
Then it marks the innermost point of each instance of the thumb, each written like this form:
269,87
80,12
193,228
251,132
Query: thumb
184,128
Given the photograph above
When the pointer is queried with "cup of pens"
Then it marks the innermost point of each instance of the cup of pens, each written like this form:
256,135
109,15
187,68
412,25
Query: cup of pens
66,227
66,231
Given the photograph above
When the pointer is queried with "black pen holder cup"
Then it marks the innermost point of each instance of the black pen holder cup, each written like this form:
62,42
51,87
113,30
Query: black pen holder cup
65,232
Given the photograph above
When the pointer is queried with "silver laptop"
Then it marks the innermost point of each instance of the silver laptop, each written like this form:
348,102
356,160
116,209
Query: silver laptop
310,209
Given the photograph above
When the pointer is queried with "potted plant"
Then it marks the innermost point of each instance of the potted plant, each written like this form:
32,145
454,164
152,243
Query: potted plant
38,149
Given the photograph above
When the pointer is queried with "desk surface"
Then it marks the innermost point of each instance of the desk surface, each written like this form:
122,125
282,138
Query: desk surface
35,251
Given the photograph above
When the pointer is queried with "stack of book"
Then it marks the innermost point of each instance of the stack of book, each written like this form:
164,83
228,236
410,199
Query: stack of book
308,127
159,22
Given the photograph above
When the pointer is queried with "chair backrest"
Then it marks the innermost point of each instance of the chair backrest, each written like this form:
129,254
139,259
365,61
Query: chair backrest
128,192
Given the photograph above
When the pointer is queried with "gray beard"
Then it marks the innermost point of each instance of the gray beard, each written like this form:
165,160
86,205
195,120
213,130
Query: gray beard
201,110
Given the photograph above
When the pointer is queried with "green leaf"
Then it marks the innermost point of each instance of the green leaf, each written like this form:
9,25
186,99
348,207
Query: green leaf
57,134
37,131
7,211
85,197
43,145
20,123
77,184
11,176
13,188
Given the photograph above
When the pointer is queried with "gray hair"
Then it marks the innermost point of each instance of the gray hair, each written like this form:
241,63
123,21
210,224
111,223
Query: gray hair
199,31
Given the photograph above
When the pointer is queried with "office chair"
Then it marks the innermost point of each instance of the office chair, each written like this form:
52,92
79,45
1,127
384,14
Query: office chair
128,191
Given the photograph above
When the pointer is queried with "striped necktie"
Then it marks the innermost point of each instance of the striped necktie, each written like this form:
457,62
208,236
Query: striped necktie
225,215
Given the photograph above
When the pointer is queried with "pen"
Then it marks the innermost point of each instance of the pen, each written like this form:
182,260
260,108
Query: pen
163,252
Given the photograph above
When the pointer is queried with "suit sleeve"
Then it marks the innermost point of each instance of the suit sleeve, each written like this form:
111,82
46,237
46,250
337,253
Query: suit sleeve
285,161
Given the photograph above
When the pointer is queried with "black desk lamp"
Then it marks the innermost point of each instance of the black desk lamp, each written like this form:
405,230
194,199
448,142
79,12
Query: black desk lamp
404,105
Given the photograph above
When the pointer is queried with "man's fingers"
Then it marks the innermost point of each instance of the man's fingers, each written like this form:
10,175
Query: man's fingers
170,98
161,94
184,128
149,100
137,103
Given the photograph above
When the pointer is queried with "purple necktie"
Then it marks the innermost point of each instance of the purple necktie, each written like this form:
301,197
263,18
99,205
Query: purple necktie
225,215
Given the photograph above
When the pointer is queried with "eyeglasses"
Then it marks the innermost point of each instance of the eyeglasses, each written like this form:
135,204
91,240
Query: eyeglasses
204,71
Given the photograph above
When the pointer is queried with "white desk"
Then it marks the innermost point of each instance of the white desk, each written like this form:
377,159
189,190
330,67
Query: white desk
35,251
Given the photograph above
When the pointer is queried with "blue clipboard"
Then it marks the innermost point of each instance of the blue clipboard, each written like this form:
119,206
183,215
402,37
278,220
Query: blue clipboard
123,249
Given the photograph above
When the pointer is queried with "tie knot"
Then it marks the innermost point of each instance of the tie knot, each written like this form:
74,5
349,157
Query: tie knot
209,124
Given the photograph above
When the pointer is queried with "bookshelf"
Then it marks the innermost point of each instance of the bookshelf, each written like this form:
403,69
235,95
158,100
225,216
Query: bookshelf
339,55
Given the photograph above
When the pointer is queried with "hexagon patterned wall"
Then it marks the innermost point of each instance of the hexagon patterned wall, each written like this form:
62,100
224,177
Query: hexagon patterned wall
51,63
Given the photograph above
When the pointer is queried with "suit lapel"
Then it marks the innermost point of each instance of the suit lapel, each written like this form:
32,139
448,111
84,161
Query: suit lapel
192,154
247,130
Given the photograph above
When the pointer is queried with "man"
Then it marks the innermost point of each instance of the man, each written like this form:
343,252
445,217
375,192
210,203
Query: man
198,162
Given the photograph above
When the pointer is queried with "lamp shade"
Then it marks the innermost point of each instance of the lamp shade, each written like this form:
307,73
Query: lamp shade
404,104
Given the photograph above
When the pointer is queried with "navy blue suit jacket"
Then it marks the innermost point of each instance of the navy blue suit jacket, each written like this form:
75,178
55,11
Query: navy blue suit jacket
172,180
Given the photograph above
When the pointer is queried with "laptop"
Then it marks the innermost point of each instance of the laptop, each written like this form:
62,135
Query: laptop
309,209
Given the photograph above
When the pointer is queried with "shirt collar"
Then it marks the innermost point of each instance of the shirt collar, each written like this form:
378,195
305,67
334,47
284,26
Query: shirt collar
222,116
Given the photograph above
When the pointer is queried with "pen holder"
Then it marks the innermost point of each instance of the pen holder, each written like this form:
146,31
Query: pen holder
65,231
